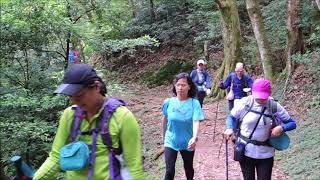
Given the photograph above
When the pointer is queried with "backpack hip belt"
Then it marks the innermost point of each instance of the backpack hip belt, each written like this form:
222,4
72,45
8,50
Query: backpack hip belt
255,142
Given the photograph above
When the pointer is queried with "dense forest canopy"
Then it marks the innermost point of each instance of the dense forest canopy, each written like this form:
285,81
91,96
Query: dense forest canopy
272,37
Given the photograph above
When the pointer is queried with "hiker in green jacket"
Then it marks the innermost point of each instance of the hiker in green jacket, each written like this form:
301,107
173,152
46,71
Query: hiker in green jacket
86,90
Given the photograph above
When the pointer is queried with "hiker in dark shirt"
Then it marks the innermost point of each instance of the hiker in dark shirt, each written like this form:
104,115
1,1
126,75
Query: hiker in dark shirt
236,82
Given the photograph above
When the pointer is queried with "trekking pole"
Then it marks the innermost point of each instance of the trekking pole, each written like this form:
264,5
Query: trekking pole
227,160
215,122
220,146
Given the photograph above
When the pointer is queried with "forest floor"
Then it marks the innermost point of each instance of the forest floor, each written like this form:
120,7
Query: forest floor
210,156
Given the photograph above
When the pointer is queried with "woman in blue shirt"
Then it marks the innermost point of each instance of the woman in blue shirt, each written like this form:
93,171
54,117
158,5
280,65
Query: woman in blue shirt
182,116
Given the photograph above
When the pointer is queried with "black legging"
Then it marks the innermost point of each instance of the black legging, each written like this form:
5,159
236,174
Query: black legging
263,166
200,96
171,157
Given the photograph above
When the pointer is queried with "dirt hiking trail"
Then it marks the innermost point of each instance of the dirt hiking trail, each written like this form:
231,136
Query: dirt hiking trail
209,162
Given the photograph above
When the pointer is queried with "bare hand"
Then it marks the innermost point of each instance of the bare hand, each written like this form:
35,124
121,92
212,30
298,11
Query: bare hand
192,143
228,134
276,131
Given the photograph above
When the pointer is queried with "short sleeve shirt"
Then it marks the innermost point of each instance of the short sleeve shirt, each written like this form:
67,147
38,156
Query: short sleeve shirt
180,116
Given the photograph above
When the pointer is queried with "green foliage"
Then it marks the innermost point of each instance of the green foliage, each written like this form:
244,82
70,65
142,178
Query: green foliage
301,160
212,28
128,44
274,19
29,120
176,22
309,59
314,38
250,53
308,15
166,73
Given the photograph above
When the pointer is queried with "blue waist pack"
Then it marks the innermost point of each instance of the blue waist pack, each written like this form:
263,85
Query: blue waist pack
74,156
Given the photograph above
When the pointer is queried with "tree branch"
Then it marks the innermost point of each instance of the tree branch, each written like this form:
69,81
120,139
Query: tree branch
87,11
15,81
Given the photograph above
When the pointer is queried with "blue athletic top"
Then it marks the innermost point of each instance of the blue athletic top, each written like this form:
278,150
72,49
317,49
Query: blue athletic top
180,116
237,84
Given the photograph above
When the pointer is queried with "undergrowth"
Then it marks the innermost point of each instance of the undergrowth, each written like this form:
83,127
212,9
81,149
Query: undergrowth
166,73
302,159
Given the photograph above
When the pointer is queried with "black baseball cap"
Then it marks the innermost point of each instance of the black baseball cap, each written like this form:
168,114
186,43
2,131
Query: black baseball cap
75,78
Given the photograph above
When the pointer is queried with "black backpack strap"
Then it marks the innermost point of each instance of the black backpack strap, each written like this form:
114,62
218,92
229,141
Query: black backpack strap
273,105
249,140
255,127
245,83
238,122
233,75
248,108
257,143
273,108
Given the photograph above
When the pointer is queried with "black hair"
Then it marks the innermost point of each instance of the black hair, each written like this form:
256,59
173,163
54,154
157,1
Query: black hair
193,89
103,88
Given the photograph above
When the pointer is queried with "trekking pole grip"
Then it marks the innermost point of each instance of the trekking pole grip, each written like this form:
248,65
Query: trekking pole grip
227,170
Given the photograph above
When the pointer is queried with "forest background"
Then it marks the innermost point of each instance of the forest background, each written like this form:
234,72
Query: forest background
146,42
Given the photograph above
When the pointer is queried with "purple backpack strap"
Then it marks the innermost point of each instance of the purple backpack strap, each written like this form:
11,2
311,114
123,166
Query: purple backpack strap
76,123
102,127
114,164
95,132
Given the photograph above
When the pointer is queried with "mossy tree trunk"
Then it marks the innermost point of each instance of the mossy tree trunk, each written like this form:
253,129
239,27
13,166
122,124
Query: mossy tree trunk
292,32
261,38
292,44
231,40
151,10
135,8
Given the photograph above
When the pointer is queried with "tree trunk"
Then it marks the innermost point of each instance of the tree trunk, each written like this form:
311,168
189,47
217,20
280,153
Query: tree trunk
292,32
231,40
261,38
206,50
292,45
2,176
318,3
68,39
185,7
67,50
135,8
151,9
